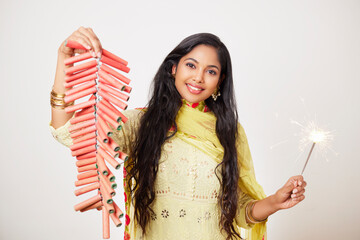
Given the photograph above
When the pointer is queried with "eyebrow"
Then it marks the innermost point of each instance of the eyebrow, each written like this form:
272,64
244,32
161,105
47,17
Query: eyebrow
198,62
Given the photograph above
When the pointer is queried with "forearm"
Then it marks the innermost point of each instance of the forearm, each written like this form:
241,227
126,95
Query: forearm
264,208
58,116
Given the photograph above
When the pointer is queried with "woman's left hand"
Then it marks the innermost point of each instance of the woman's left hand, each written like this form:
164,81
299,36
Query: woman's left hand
291,193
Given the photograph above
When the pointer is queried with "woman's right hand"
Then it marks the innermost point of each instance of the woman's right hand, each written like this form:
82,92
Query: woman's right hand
87,38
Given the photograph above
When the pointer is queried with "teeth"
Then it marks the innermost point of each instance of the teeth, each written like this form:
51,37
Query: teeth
194,88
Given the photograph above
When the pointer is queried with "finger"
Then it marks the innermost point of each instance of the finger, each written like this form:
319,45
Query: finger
291,184
299,199
298,193
298,189
82,39
92,38
298,180
97,42
304,183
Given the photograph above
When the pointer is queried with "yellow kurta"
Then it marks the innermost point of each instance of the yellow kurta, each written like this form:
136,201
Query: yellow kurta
186,188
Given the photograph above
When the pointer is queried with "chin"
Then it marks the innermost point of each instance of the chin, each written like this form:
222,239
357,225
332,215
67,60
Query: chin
193,99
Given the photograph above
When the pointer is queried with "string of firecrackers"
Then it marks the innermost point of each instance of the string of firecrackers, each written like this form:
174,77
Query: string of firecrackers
93,146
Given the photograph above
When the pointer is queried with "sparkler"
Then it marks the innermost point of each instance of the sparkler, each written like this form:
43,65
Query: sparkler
312,134
315,135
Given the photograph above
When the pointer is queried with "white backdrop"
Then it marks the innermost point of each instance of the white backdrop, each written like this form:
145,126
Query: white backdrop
283,52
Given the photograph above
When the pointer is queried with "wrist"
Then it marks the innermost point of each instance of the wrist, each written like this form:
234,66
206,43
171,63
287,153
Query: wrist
274,204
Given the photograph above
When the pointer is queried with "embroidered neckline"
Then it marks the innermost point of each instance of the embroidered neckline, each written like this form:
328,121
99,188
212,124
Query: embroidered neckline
201,106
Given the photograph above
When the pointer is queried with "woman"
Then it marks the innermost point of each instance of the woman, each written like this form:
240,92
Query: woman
190,173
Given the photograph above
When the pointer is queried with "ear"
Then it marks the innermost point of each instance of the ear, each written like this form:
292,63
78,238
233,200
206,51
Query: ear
173,70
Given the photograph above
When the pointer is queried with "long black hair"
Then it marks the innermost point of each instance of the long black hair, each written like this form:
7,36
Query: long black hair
160,117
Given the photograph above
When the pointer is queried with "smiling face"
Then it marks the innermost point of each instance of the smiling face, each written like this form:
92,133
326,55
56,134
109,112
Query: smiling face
198,74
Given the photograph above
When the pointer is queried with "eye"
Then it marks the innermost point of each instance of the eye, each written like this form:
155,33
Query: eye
212,72
190,65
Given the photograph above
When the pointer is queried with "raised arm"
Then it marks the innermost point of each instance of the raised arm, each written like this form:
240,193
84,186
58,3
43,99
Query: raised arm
87,38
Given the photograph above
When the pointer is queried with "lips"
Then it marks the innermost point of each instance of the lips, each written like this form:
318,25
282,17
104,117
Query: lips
194,89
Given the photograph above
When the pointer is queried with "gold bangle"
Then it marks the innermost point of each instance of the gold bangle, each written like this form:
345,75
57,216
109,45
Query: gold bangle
248,219
57,95
61,105
57,101
249,215
55,98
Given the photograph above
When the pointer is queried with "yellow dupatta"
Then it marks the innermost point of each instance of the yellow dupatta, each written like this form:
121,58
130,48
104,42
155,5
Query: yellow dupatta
199,129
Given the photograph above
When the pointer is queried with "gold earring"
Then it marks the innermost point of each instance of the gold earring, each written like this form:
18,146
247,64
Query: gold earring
173,74
216,95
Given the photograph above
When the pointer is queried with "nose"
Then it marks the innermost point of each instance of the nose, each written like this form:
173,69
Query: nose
199,76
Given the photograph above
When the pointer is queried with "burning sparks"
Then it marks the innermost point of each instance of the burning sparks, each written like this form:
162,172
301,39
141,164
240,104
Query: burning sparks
314,135
311,134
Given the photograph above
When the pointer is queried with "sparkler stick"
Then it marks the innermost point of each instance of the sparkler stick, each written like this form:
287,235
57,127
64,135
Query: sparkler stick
314,135
312,147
